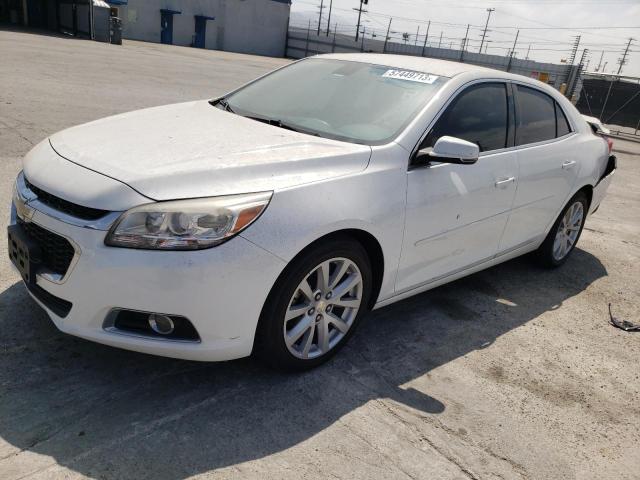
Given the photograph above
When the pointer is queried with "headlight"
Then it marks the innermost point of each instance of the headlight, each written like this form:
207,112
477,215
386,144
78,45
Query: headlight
186,224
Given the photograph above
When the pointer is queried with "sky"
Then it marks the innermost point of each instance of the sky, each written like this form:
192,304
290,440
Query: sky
547,27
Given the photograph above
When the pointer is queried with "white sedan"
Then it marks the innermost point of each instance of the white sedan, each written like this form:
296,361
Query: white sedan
271,220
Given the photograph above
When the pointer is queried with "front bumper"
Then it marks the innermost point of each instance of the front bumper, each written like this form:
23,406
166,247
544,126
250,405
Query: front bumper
220,290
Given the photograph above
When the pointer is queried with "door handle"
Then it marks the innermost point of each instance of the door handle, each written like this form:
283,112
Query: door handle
505,181
568,164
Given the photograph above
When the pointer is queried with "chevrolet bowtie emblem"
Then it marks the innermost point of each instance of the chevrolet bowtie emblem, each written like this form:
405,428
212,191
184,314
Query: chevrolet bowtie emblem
23,210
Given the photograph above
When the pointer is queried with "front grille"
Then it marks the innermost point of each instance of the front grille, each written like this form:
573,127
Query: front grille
64,206
56,251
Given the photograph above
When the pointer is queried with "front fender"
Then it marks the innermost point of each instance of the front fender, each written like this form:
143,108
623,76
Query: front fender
373,201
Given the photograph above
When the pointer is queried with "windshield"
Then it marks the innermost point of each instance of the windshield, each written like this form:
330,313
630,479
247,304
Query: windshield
350,101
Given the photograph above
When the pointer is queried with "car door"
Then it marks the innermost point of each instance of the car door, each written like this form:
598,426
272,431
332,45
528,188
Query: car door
455,214
547,164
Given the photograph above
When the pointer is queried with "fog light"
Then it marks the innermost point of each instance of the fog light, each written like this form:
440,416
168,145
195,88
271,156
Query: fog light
161,324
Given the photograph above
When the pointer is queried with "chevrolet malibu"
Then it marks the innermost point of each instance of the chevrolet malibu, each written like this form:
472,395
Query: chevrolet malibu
270,220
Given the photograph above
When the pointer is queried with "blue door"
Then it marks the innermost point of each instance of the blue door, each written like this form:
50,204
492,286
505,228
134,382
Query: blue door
201,32
166,25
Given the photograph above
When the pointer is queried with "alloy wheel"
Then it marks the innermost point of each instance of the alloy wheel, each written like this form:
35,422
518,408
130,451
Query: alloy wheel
568,231
323,308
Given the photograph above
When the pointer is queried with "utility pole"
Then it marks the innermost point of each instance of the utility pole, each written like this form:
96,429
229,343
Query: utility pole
362,2
513,51
440,41
578,72
572,58
464,43
528,50
417,34
600,62
484,33
424,46
329,19
574,50
320,15
582,57
623,60
386,39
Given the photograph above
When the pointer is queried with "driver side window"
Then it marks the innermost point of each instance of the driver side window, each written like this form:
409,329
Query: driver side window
479,115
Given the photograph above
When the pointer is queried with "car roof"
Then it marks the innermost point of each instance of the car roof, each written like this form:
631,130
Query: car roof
445,68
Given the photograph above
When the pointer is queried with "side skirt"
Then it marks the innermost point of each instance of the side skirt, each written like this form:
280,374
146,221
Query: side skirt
450,277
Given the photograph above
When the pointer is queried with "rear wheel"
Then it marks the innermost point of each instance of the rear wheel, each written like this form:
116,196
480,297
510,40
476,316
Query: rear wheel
564,234
315,305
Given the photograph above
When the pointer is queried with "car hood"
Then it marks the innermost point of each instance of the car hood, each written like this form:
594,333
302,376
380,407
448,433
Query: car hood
193,149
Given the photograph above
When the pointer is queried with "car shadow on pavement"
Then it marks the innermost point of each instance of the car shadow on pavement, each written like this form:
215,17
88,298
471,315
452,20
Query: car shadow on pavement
109,413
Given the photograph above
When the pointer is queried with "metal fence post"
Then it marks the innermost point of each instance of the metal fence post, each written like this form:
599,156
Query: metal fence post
464,44
386,39
306,48
426,37
333,44
513,52
606,99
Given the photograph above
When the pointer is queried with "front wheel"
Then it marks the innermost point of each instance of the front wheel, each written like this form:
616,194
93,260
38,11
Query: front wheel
315,305
564,234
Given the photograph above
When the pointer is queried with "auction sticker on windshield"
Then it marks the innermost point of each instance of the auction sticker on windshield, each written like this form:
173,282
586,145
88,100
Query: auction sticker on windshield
410,76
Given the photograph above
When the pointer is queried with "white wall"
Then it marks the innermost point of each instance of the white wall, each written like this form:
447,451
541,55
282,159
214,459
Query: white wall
246,26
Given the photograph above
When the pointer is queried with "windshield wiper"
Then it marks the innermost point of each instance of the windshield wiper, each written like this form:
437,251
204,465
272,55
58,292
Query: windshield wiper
279,123
223,103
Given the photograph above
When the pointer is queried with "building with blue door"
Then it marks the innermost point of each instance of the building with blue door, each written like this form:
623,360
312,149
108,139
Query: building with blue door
200,38
245,26
166,25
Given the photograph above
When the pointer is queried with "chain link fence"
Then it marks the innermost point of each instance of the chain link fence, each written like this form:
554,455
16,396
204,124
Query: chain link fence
303,42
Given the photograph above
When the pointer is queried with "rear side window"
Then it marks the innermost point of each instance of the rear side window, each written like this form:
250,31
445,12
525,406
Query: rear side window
536,116
478,115
562,123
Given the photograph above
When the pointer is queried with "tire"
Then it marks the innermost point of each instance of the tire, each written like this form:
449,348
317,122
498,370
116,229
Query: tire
288,300
551,254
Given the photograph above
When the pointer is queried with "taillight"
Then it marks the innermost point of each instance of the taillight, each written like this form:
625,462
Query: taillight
609,143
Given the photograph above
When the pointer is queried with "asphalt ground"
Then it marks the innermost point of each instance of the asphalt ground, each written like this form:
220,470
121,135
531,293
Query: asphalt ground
510,373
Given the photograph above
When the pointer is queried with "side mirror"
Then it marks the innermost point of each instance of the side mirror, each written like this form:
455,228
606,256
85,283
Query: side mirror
450,150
